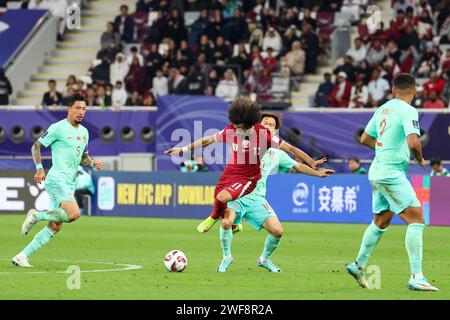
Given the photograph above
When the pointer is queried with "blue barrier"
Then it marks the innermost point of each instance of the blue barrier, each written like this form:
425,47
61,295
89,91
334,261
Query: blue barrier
341,198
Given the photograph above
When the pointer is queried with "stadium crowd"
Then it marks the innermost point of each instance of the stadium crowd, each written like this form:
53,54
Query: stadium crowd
235,47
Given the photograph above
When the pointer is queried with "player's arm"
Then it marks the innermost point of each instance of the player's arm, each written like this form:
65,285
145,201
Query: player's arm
368,140
37,158
199,143
299,154
87,161
416,149
369,136
411,128
303,168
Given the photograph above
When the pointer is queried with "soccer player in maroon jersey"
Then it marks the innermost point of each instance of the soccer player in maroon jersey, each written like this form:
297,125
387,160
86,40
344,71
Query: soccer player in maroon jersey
249,142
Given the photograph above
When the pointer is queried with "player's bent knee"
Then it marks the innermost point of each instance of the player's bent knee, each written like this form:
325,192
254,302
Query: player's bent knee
55,227
278,233
226,224
73,215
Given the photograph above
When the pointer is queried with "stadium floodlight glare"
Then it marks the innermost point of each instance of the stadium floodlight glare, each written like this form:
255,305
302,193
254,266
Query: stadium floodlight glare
147,135
36,132
107,134
17,134
2,134
127,134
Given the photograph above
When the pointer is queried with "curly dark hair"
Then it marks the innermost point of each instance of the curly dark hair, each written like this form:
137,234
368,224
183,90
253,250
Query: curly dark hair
244,110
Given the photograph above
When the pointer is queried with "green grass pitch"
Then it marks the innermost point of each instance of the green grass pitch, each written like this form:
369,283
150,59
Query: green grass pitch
312,257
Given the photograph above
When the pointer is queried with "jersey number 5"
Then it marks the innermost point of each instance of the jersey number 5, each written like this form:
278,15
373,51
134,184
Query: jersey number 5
78,151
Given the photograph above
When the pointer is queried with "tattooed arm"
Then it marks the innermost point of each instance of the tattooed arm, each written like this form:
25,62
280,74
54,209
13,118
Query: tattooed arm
37,158
87,161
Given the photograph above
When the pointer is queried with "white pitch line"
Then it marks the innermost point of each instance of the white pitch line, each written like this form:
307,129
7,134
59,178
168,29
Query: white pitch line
126,267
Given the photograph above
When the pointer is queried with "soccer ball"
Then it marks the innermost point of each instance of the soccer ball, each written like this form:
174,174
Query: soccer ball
175,261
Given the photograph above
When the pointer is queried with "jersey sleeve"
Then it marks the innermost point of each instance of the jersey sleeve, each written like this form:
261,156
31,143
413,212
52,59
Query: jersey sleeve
50,136
410,122
273,141
371,128
221,136
285,161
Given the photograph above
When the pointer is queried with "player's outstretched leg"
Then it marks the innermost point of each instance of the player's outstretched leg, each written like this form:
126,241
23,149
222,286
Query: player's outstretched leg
40,239
34,216
371,237
220,205
273,226
414,246
226,236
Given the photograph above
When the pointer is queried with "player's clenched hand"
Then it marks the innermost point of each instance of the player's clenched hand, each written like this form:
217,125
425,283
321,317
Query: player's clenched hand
39,176
98,164
423,163
316,164
323,173
174,150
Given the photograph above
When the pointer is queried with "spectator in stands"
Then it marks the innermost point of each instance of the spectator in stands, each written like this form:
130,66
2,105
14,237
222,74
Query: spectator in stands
310,44
445,61
236,28
177,82
408,59
71,80
323,92
429,62
272,39
437,169
228,88
360,94
52,97
433,101
185,56
146,5
308,19
220,52
365,70
354,165
201,165
290,19
57,8
209,91
175,26
148,100
376,53
110,38
378,89
268,18
291,35
100,74
435,83
257,61
124,25
69,92
296,59
213,79
154,60
204,47
90,97
102,99
134,100
160,85
199,27
401,5
419,98
270,62
215,27
408,38
340,95
446,90
347,67
358,51
242,58
135,54
119,95
5,88
119,69
196,81
137,77
257,38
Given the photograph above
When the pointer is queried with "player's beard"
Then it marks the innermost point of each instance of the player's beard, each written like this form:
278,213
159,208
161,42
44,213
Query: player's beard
77,122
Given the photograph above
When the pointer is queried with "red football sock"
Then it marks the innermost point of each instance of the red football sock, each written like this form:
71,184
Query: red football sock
219,209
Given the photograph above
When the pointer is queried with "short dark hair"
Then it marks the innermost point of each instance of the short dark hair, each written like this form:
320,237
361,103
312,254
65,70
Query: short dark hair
356,159
124,6
274,116
77,96
244,110
435,161
404,81
51,81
